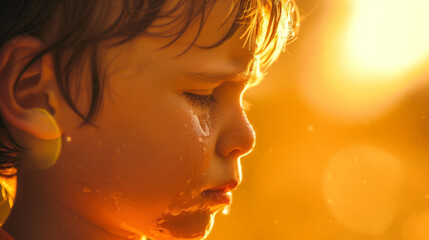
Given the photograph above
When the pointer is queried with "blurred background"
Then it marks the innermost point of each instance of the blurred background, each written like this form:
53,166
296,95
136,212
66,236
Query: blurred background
342,126
342,130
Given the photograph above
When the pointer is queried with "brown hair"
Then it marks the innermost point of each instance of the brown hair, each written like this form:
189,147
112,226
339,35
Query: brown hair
72,32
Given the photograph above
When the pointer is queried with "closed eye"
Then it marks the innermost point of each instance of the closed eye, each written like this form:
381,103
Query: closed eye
202,101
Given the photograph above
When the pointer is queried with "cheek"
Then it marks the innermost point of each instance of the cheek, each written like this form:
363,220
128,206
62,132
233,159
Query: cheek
166,156
141,160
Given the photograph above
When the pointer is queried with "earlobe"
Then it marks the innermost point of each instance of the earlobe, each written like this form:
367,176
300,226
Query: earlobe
28,94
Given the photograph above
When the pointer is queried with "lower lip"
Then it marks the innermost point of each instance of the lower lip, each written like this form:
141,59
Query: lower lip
218,197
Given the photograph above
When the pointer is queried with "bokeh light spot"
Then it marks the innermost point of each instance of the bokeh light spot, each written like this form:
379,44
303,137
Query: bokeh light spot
353,196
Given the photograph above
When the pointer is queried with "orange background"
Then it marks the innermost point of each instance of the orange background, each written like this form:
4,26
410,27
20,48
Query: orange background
341,121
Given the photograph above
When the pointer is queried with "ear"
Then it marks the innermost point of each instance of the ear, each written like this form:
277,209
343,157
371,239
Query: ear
28,101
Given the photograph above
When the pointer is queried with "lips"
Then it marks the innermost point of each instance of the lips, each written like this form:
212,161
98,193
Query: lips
220,197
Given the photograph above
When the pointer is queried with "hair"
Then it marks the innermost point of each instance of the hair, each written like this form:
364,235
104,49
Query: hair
72,31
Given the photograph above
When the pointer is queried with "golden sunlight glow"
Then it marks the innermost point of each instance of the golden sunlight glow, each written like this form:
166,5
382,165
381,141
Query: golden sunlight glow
268,46
372,53
387,37
352,188
342,125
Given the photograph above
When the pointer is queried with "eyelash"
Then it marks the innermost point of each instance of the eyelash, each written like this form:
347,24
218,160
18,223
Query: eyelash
203,101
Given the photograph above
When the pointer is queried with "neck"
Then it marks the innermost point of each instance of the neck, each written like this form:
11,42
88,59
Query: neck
37,215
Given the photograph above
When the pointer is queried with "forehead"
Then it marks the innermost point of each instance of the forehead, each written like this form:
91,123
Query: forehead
191,52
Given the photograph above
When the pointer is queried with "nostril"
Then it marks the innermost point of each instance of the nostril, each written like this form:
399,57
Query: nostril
235,153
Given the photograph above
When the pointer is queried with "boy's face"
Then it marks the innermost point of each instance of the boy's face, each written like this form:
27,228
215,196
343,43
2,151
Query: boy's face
164,152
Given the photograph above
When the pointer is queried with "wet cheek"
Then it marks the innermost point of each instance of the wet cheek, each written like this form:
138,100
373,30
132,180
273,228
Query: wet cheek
166,156
198,136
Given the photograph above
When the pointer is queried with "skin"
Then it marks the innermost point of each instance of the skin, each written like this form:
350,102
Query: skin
145,166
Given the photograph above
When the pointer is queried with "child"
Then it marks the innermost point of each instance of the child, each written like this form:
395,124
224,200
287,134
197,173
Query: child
122,119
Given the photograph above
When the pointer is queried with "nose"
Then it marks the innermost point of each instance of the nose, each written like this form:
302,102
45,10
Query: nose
237,137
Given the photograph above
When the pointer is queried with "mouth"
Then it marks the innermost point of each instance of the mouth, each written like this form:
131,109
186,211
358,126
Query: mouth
217,198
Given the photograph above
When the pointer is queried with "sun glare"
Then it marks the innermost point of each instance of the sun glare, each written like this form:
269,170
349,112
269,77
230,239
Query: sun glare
372,53
387,37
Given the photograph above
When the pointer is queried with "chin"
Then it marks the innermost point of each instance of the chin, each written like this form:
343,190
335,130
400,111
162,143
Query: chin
186,225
